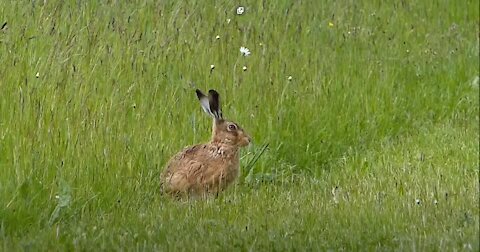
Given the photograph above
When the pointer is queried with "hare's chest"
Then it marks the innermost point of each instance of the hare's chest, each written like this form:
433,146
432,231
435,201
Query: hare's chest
226,170
231,172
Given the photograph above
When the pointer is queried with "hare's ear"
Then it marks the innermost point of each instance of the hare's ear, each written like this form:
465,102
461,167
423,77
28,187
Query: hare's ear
204,102
214,101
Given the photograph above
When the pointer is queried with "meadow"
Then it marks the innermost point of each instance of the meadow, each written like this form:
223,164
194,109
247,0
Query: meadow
364,117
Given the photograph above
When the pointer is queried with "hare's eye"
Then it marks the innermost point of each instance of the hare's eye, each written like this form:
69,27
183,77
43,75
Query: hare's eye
232,127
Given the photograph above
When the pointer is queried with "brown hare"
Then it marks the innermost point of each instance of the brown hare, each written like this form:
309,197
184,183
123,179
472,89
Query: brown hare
208,168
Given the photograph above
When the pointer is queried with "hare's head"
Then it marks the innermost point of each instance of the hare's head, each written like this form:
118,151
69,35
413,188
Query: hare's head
224,131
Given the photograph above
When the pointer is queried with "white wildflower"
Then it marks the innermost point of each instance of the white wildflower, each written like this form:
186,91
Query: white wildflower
217,37
212,67
228,20
475,82
240,10
290,78
244,51
37,75
244,68
417,201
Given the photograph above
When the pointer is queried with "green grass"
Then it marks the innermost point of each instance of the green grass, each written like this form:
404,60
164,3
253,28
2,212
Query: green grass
382,112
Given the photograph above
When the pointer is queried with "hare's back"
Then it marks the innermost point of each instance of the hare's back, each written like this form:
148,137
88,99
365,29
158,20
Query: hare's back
185,160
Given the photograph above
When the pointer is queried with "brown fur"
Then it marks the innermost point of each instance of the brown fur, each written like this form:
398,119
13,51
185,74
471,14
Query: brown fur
206,168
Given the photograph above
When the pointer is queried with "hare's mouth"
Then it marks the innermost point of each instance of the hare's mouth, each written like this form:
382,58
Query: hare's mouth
245,141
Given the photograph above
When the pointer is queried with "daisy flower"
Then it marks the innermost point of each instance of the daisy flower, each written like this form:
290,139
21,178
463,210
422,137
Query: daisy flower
244,51
240,10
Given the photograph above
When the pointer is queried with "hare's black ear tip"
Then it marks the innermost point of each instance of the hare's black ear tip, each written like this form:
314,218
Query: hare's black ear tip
199,93
212,92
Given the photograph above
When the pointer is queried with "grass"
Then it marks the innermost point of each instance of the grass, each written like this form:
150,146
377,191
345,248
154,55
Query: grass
372,145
